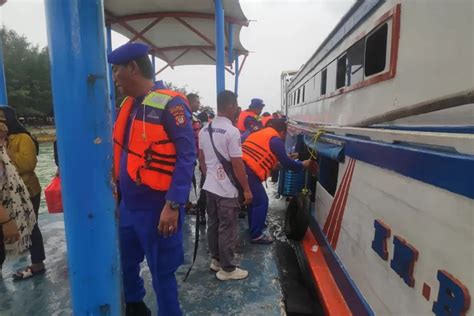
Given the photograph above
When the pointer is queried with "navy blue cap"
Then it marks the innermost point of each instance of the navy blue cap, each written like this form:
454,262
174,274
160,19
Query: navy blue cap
126,53
256,103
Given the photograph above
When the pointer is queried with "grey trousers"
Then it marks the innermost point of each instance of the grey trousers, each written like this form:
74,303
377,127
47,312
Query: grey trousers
222,223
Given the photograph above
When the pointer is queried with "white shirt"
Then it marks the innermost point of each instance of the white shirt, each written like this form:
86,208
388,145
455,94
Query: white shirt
227,140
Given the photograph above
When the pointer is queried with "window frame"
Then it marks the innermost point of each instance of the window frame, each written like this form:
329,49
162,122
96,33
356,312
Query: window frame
393,35
323,82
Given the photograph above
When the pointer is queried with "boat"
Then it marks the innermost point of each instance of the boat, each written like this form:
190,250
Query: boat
386,103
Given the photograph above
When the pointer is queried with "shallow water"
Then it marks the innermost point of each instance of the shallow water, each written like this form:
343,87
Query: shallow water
45,169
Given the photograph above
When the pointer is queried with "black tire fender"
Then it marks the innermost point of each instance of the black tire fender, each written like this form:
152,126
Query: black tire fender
297,216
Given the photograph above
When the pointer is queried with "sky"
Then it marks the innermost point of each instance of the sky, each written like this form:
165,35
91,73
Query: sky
283,35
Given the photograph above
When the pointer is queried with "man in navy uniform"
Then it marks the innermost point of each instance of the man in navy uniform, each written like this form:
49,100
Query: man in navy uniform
154,156
249,120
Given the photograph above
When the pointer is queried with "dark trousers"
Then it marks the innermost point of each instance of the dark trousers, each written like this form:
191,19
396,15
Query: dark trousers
37,246
222,214
139,238
275,175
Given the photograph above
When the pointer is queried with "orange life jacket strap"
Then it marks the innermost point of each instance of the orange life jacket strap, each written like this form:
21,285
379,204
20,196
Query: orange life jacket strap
158,170
257,145
161,162
163,142
252,153
150,152
127,150
266,157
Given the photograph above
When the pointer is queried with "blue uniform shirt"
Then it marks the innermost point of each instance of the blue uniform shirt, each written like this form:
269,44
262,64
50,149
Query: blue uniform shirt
277,146
252,124
141,197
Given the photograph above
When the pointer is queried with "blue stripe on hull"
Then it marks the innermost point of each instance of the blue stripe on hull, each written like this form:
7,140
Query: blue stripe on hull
450,171
458,129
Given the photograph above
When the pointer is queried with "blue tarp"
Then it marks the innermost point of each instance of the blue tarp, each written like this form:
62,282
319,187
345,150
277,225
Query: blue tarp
328,150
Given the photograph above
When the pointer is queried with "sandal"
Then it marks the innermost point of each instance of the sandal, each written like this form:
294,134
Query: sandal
27,273
264,240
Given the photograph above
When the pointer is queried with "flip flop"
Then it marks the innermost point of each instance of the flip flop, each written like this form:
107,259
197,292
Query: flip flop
264,240
27,273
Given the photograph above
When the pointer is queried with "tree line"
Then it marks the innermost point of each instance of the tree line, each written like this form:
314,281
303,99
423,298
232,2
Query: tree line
28,77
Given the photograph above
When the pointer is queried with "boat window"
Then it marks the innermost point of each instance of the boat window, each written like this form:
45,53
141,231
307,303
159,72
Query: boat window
328,172
355,62
331,77
341,72
298,97
302,97
324,75
376,51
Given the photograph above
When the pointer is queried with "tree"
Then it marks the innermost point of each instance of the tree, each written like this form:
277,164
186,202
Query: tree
27,75
119,98
183,90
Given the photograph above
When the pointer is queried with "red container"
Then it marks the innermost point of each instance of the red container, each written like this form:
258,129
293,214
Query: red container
52,193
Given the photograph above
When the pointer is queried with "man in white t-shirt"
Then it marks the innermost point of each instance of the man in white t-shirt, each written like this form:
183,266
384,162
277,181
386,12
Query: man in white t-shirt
222,194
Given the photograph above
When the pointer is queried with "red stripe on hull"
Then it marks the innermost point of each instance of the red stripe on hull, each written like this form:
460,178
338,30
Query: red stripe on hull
330,220
331,297
337,230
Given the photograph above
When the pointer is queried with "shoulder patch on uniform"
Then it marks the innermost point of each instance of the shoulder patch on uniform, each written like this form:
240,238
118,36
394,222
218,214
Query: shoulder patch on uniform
179,114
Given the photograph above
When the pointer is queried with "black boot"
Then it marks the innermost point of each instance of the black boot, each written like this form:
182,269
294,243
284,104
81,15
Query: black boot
137,309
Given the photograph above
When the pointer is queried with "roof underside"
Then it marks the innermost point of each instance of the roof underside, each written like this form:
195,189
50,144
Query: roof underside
179,32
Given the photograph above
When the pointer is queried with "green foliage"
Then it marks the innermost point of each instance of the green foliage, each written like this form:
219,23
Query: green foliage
119,98
27,75
183,90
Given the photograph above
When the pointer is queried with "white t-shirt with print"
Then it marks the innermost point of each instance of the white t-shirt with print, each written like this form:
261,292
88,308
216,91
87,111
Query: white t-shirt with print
227,141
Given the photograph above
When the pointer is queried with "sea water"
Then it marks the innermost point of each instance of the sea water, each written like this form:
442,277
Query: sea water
45,169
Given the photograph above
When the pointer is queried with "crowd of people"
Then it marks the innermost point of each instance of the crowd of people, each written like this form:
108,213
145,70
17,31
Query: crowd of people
161,142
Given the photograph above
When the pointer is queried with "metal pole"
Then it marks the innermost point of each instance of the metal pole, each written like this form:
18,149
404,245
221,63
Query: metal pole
220,46
236,76
153,64
3,83
109,66
230,45
82,108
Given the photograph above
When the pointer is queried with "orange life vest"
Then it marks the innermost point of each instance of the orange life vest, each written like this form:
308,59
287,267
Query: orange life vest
151,155
257,154
265,119
242,117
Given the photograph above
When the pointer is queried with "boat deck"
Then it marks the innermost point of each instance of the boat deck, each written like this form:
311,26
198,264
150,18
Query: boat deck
201,294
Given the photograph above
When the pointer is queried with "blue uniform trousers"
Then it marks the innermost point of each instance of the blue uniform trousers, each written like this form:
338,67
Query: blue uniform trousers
139,238
257,210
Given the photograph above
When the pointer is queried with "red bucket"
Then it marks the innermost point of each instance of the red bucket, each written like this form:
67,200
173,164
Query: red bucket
52,193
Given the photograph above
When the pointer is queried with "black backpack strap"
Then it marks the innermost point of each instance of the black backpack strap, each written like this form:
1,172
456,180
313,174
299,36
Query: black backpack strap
196,246
226,165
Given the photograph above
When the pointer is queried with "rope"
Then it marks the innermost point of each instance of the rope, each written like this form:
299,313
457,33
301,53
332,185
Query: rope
313,155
